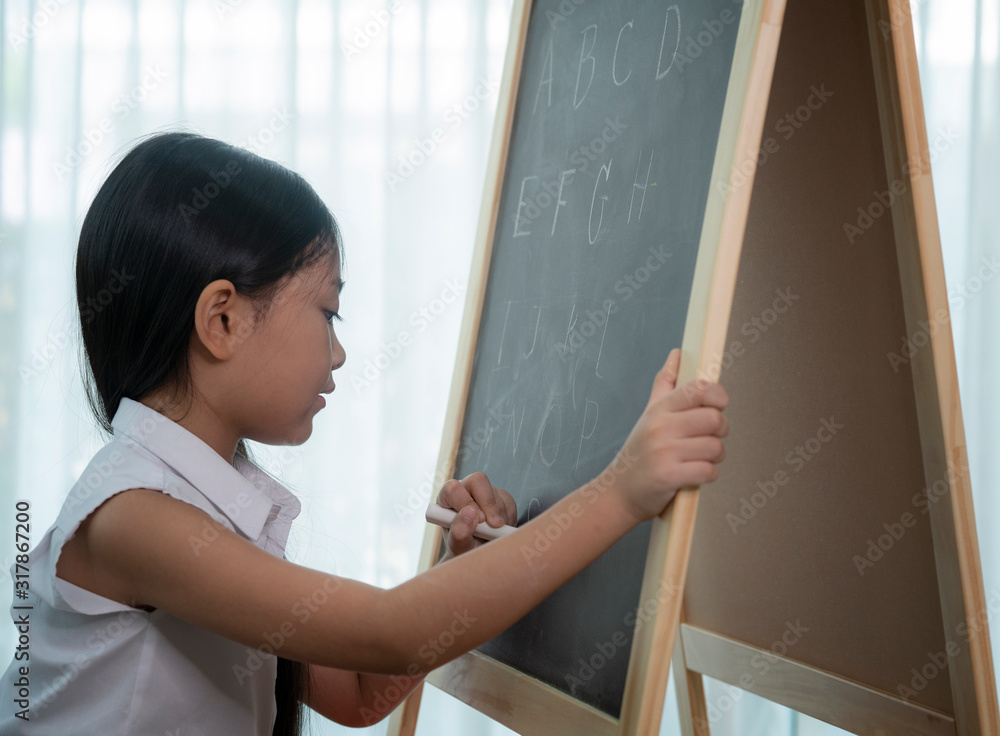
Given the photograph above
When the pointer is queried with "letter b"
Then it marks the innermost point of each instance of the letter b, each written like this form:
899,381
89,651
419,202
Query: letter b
769,487
426,145
221,178
875,552
895,529
714,27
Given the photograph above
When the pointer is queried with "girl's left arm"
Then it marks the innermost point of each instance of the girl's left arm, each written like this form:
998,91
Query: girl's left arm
359,699
356,699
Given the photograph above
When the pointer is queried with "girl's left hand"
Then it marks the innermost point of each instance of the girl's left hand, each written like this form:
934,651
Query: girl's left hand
476,500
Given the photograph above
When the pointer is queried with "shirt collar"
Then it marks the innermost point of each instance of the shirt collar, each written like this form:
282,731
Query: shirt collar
244,493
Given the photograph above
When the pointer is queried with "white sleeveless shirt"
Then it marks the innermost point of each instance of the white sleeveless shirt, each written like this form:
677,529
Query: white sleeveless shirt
96,666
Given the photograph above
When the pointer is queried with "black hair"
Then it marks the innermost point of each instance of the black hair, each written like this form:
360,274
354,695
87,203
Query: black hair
179,211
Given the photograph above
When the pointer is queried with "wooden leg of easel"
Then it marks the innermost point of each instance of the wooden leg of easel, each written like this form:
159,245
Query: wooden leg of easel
403,720
690,693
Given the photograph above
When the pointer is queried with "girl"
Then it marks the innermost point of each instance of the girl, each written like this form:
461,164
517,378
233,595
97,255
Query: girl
160,602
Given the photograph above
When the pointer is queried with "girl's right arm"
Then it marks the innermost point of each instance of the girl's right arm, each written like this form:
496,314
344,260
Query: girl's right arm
138,542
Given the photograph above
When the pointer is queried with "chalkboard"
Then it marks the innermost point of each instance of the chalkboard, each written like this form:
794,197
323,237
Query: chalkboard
736,241
614,135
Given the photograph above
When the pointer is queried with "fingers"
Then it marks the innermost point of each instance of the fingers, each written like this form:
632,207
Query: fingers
508,507
492,505
666,378
460,539
708,449
698,392
696,473
702,421
485,497
454,495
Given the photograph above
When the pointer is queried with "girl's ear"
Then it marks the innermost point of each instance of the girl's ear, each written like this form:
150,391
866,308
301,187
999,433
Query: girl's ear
223,318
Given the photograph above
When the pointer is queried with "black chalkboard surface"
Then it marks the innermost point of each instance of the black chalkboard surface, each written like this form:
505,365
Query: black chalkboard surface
617,116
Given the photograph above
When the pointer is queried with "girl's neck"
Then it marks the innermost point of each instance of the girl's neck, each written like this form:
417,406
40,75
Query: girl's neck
200,420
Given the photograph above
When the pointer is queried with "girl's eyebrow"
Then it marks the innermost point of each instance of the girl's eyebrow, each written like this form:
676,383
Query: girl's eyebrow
339,283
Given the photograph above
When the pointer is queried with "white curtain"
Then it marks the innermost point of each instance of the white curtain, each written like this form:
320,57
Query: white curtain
349,92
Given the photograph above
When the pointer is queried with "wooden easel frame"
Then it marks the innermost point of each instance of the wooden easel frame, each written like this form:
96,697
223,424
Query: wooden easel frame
530,707
824,695
514,699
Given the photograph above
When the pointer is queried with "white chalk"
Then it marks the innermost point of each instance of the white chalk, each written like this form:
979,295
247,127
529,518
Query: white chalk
446,517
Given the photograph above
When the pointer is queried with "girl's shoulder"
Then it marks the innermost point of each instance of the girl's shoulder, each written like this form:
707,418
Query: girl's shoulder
122,465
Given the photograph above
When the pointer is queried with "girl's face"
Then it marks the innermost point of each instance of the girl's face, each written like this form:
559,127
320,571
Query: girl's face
289,356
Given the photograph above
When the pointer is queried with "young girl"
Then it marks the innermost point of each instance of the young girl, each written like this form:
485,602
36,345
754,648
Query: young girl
159,601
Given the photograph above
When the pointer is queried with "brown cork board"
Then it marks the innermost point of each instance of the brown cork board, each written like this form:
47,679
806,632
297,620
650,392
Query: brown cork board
824,358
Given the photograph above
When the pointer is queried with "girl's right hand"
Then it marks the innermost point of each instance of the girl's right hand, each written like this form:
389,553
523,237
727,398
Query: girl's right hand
675,443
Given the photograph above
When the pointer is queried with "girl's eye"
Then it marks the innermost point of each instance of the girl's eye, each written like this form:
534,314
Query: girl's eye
331,315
